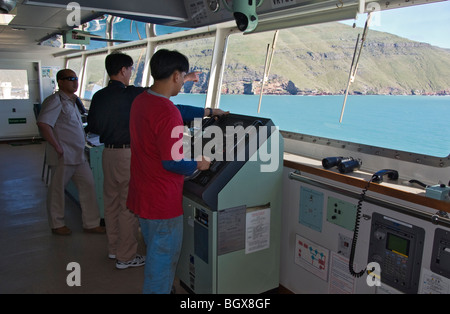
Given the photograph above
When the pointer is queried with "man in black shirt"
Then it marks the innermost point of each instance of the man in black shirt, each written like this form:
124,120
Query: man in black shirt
109,117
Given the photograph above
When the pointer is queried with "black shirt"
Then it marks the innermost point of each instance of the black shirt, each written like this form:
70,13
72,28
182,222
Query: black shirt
109,113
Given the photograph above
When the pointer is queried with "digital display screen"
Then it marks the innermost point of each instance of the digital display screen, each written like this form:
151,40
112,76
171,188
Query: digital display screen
397,244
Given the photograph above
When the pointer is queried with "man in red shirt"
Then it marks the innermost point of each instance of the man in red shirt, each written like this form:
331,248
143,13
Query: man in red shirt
156,183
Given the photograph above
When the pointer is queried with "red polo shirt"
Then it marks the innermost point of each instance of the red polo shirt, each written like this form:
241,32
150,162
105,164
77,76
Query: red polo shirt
154,193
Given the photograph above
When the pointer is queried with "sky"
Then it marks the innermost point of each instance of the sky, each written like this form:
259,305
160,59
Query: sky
428,23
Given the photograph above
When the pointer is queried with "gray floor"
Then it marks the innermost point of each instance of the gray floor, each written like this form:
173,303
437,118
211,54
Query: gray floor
33,260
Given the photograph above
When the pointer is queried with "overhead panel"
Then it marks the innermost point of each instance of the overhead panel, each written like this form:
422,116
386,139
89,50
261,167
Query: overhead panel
203,13
279,14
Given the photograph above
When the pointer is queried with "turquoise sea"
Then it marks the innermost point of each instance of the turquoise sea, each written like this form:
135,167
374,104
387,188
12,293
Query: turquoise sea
418,124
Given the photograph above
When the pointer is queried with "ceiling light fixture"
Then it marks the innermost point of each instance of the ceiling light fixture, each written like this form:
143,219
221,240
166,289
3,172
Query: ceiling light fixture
5,19
8,11
7,6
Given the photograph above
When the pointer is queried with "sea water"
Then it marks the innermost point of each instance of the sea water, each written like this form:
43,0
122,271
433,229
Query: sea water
417,124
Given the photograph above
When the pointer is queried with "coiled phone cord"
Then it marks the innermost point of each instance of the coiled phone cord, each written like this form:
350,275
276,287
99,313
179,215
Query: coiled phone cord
355,234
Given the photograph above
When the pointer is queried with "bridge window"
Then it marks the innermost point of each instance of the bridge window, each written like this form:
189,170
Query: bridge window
75,65
199,53
94,75
138,55
163,29
396,100
13,84
128,30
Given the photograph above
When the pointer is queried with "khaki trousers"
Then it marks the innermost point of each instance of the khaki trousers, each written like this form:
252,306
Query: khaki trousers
121,224
83,179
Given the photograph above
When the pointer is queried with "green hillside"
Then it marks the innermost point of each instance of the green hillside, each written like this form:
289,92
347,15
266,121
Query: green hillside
316,59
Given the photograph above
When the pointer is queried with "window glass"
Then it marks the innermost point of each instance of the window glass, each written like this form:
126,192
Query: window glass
75,65
138,56
13,84
163,29
96,27
124,29
396,95
199,53
55,41
94,75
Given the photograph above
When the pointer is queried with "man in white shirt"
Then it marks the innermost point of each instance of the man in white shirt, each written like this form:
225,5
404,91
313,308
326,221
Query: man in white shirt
60,124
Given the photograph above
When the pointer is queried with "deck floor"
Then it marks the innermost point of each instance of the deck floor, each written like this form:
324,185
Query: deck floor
33,260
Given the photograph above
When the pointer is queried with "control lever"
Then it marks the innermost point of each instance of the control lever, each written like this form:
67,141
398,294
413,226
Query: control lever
212,167
192,176
210,121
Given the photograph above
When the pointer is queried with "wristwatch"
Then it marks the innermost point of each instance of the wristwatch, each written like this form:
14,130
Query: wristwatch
210,112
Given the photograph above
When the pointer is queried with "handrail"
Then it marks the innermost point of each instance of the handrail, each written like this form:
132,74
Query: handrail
416,158
436,218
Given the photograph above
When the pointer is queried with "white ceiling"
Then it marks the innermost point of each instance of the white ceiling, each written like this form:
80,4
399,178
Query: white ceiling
40,19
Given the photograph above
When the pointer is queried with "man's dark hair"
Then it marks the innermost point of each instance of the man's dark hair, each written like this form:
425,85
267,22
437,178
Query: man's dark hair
164,62
115,61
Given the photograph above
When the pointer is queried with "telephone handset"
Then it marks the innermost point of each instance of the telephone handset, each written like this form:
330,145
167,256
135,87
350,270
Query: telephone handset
378,178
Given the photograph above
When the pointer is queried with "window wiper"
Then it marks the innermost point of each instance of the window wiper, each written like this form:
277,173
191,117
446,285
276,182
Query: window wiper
267,65
358,48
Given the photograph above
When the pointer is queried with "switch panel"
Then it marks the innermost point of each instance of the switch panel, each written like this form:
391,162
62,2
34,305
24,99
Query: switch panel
311,208
344,245
341,213
440,259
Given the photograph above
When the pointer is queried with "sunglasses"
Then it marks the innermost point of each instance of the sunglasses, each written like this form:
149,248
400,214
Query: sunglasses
70,78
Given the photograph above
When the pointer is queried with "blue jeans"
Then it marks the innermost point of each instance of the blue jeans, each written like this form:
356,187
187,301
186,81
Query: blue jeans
163,238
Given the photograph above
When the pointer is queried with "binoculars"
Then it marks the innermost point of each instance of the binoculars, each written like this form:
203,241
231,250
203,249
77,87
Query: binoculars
344,164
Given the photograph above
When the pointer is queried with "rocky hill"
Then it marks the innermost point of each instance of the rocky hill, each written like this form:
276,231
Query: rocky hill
315,60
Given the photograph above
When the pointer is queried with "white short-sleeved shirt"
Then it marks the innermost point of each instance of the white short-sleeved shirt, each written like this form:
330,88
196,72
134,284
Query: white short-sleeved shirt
61,113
